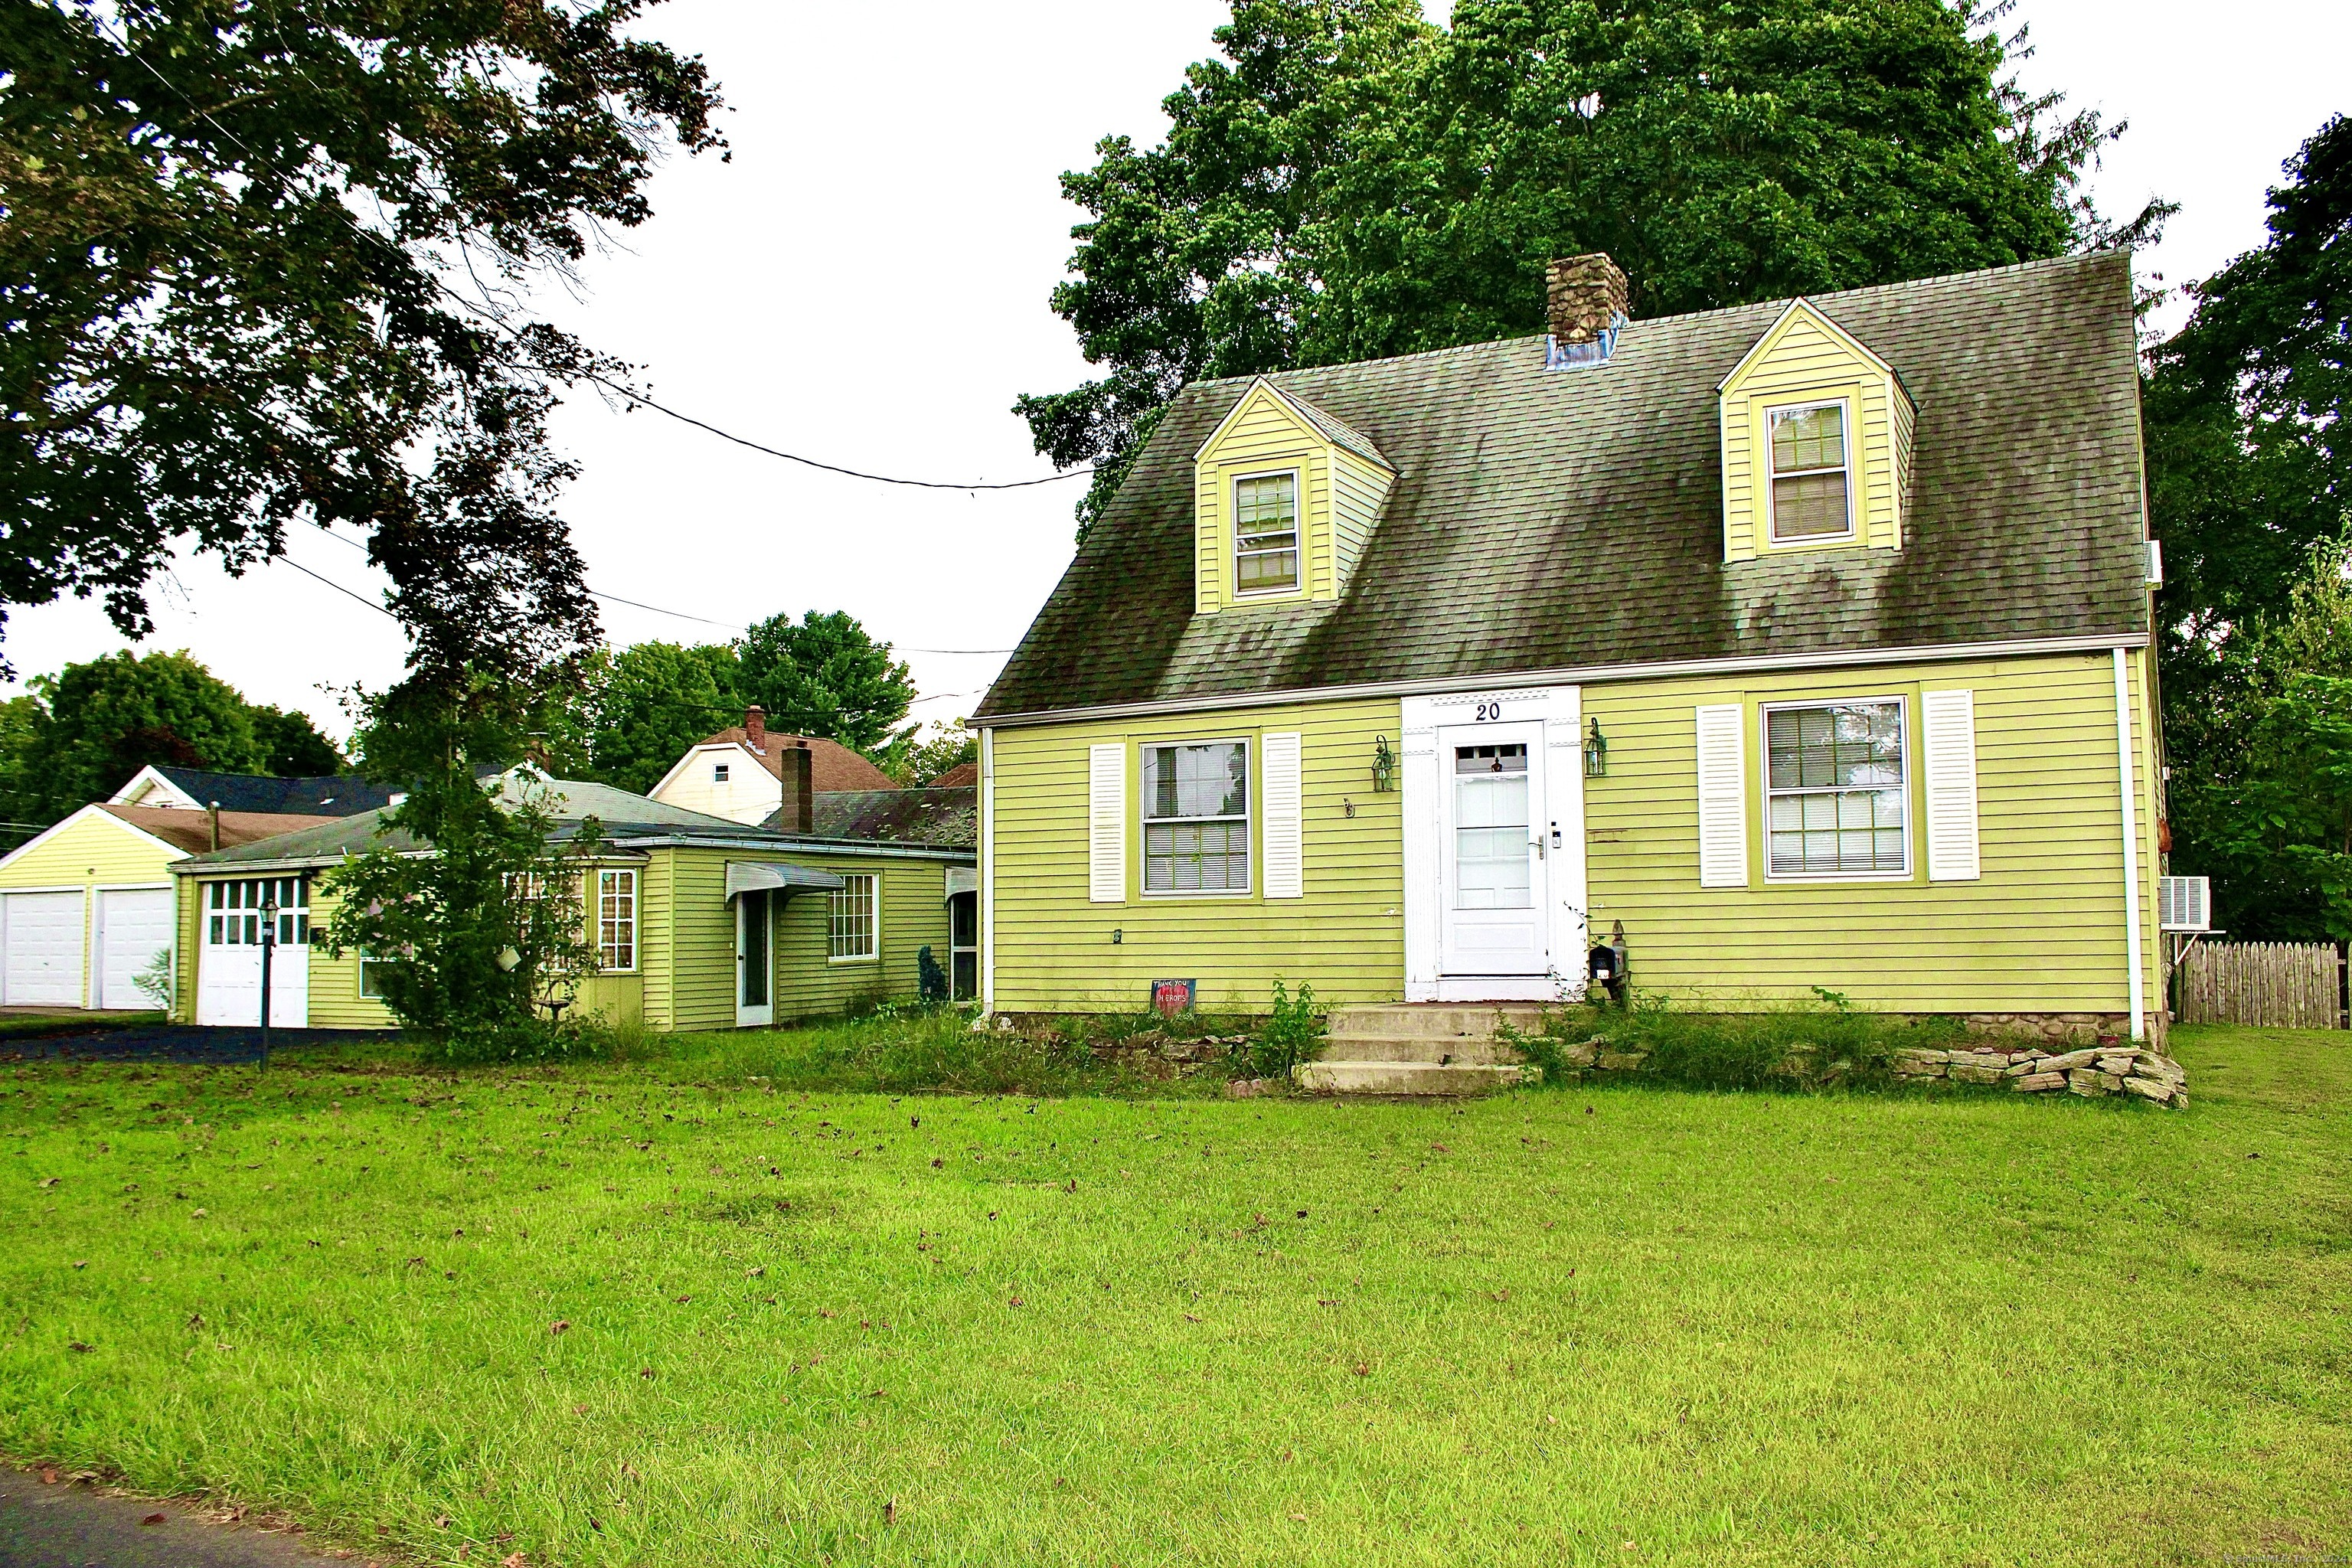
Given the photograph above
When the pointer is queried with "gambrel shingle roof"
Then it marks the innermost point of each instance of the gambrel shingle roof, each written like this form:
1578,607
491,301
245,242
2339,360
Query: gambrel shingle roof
1555,519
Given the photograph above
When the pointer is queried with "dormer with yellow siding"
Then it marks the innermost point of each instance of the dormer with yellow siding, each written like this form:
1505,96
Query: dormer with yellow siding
1816,443
1285,500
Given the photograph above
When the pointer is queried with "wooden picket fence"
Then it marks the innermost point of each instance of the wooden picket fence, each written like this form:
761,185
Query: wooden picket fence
2273,984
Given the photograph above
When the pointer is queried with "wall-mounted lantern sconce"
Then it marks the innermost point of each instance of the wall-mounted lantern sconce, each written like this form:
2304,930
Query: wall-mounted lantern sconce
1596,751
1384,765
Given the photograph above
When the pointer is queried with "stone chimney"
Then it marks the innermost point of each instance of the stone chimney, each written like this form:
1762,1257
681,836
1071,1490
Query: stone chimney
1584,297
755,728
798,812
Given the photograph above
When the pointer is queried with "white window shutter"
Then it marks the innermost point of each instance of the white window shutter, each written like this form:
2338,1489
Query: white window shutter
1286,869
1948,739
1107,824
1722,797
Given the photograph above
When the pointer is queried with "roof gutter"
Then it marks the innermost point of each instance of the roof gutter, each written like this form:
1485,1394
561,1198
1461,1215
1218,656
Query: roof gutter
1571,675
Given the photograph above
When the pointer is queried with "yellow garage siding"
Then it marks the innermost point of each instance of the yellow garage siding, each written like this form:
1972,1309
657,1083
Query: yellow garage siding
1261,435
186,910
1053,950
335,999
2041,930
1802,361
913,913
89,851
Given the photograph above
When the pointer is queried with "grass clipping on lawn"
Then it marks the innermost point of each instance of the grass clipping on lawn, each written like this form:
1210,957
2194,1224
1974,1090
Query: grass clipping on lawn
644,1313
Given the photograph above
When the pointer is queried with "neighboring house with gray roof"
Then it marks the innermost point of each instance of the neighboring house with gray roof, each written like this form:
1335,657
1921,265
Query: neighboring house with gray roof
701,922
1806,643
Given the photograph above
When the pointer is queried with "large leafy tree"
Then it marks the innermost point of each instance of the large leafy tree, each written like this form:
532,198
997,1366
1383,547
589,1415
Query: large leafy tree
260,262
2250,478
1347,183
82,734
826,675
649,702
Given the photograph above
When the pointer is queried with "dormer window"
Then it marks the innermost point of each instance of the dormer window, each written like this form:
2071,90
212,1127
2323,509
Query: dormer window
1811,496
1265,533
719,773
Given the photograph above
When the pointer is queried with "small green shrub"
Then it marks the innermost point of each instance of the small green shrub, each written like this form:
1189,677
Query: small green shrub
1289,1035
1789,1046
930,980
514,1040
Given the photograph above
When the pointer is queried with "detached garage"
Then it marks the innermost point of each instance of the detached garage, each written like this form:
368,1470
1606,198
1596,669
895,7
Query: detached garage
86,907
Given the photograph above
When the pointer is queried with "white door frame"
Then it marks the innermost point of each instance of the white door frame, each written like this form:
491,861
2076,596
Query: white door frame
1558,816
749,1015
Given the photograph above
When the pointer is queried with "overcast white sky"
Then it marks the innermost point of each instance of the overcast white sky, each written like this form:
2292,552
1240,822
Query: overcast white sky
866,283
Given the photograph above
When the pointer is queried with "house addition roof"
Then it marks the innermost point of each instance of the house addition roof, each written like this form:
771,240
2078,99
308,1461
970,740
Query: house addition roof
192,831
1560,519
946,817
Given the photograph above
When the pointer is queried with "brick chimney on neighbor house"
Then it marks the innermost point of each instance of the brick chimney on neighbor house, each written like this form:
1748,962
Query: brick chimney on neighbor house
755,728
794,766
1584,297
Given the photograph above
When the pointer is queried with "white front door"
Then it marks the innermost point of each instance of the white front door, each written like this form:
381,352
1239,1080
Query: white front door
1494,914
228,971
42,933
134,926
755,977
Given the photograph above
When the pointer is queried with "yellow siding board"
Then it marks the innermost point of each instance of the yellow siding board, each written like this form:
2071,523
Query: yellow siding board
1053,948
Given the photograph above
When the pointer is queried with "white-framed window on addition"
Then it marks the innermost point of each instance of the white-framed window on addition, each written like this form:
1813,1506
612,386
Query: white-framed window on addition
232,911
1812,499
616,919
719,773
1836,792
854,928
371,975
1265,533
1196,818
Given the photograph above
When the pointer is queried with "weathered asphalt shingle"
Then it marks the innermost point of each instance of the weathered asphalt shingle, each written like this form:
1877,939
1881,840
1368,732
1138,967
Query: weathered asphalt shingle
1550,520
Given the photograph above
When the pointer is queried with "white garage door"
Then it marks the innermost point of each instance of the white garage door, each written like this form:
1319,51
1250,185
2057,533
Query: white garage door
134,924
228,971
43,961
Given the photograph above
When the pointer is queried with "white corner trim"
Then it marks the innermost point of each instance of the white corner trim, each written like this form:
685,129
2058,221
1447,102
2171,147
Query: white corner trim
2131,848
987,872
153,779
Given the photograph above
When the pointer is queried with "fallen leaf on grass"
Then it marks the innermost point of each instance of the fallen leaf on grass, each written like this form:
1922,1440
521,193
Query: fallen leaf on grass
48,1476
579,1410
83,1263
1299,1518
154,1519
645,1373
937,1164
1500,1295
875,1395
1191,1319
1362,1369
47,1181
77,1347
197,1214
755,1273
1012,1300
1325,1302
561,1325
1439,1149
682,1301
513,1560
890,1511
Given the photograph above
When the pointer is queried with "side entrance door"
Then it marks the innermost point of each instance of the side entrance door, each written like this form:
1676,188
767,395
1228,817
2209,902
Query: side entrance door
228,971
755,979
1493,906
963,946
134,924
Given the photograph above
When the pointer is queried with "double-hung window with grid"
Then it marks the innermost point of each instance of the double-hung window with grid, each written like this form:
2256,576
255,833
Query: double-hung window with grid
1835,796
1196,828
1811,498
1265,533
616,919
852,926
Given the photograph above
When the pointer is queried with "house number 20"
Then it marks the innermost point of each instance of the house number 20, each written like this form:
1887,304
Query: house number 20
1488,711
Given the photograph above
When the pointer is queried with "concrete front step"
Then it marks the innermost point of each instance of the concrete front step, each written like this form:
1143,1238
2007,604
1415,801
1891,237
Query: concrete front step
1434,1049
1444,1020
1404,1078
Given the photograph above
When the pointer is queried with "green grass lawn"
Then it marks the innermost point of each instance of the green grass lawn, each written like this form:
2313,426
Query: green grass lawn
1613,1324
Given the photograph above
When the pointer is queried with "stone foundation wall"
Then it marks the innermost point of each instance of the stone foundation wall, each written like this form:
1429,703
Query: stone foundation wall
2071,1028
2093,1071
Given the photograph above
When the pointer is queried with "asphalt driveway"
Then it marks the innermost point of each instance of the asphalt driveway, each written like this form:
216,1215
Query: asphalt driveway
219,1046
62,1524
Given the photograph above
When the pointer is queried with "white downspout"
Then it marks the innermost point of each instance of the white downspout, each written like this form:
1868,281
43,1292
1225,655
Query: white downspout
2131,850
987,873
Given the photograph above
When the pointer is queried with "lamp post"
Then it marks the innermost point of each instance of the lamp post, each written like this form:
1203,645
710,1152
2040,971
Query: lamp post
269,947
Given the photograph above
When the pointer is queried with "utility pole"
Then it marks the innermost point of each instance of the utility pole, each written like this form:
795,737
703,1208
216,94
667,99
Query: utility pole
269,947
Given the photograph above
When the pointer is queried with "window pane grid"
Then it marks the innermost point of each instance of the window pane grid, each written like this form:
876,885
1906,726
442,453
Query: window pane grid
1809,472
1835,788
234,911
1265,533
616,919
1196,819
850,923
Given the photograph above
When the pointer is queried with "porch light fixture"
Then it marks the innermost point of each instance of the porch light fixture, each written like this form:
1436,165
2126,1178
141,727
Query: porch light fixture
1384,765
1596,751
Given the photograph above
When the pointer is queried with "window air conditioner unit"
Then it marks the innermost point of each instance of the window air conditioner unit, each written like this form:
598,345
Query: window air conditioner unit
2184,903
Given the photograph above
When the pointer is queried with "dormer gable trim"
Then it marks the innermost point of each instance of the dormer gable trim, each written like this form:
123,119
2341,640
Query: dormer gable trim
1803,309
148,782
700,751
1320,425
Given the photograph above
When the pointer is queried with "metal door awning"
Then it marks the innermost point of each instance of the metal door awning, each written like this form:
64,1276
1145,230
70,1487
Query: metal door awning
762,876
962,880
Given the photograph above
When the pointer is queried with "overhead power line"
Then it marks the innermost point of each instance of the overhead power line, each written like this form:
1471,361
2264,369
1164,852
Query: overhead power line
618,388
